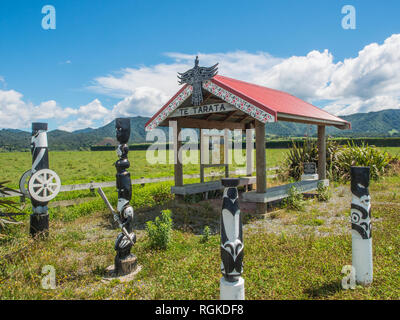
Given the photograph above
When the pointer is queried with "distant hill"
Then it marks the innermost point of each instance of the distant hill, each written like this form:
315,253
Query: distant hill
383,123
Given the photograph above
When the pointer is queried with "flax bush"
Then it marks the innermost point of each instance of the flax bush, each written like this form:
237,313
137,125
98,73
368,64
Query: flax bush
339,159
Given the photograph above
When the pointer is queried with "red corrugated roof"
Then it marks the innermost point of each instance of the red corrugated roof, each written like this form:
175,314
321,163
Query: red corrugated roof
274,102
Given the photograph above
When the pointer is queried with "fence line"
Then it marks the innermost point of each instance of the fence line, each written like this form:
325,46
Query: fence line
94,185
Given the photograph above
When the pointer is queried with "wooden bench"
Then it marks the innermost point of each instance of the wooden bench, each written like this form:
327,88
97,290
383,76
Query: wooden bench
281,192
194,188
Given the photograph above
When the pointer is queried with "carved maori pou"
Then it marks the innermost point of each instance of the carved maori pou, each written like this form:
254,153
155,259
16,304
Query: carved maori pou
360,203
231,232
361,225
43,184
123,245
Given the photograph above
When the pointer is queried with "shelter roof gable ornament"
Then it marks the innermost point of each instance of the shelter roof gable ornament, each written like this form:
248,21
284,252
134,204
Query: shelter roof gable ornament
195,78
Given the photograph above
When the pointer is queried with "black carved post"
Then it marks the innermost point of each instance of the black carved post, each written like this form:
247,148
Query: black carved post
125,262
232,284
361,225
39,219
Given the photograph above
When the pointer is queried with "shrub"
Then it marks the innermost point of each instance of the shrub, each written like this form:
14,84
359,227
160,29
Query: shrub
297,155
324,194
159,231
363,155
339,159
206,234
294,200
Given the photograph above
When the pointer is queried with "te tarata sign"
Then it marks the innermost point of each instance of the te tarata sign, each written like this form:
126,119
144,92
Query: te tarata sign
209,108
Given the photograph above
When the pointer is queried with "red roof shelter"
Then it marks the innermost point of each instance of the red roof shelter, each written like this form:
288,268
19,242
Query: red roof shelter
245,106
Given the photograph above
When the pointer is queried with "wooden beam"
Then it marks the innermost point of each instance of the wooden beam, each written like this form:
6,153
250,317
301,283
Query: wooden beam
230,115
209,116
208,124
298,119
321,153
244,118
208,97
261,173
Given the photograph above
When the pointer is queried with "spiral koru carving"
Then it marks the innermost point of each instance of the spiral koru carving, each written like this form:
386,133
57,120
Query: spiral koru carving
361,202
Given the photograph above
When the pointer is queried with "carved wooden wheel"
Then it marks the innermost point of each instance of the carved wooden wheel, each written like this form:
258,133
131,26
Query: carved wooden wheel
44,185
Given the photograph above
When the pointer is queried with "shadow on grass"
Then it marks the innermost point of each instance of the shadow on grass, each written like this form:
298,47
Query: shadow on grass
325,290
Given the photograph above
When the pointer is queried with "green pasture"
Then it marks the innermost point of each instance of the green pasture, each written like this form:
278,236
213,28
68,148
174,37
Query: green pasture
292,254
84,166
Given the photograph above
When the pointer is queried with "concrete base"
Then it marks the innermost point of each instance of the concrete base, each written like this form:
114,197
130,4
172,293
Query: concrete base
308,177
232,290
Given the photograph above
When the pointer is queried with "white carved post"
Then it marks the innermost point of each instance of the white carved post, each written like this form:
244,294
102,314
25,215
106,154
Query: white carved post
231,284
361,225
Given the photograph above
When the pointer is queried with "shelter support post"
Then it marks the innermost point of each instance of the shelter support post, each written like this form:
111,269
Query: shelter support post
178,169
321,153
261,173
249,155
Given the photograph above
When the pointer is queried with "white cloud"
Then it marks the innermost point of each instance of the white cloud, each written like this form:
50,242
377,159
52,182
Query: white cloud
85,116
145,89
301,76
368,82
16,113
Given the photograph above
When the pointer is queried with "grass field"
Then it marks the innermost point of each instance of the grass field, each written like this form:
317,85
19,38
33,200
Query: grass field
85,166
289,255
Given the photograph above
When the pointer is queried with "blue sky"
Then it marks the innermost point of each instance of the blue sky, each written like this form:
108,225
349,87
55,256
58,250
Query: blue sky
113,58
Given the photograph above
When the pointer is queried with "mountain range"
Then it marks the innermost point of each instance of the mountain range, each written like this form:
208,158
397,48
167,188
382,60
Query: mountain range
385,123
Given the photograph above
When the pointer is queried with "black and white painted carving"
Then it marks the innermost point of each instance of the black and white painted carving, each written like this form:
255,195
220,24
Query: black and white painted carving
231,232
360,204
361,225
43,184
195,78
127,237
